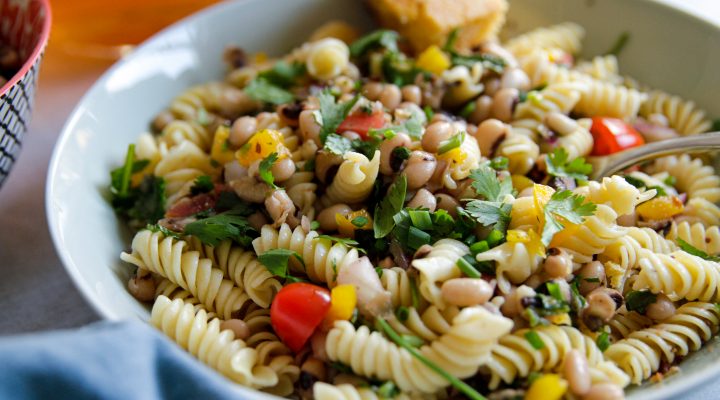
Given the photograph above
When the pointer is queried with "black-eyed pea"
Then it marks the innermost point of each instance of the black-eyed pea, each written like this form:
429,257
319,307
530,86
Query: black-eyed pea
388,164
489,134
326,217
391,96
423,199
412,93
142,286
558,263
419,169
435,134
591,276
447,203
504,102
515,78
481,112
661,309
309,127
604,391
242,129
373,90
283,169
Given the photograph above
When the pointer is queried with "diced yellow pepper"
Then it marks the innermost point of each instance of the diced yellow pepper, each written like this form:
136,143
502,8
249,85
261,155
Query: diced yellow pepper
221,151
660,208
531,238
454,157
547,387
260,145
521,182
570,229
343,300
433,59
260,57
559,319
345,225
541,195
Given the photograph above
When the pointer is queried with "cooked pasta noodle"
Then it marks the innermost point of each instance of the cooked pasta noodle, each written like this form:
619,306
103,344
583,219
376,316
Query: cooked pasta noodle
682,115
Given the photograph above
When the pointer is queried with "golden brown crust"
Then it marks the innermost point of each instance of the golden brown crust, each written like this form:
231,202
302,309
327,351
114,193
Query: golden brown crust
427,22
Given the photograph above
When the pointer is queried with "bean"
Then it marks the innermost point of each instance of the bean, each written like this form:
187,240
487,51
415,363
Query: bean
314,367
241,131
326,217
513,300
558,264
391,96
309,128
577,372
290,113
419,169
661,309
464,292
435,134
373,90
283,169
234,102
483,105
423,198
249,189
602,304
325,164
593,270
627,219
489,134
504,103
238,326
142,286
412,93
386,152
604,391
497,50
515,78
447,203
492,86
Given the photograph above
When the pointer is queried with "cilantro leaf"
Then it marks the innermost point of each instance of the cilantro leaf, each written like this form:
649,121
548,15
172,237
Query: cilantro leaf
413,126
638,183
337,144
690,249
229,201
144,203
380,38
265,170
639,300
262,90
227,225
333,114
283,74
388,207
567,205
202,184
276,261
490,213
558,165
486,184
120,177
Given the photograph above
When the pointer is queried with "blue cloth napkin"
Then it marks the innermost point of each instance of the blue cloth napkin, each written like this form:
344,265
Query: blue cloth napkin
107,360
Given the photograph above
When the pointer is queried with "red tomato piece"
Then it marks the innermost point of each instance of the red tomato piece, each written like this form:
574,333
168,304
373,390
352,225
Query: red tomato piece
361,122
296,311
612,135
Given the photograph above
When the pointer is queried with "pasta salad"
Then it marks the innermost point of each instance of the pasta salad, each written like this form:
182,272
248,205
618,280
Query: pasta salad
358,220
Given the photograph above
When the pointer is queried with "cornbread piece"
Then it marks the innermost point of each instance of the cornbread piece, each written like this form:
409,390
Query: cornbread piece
428,22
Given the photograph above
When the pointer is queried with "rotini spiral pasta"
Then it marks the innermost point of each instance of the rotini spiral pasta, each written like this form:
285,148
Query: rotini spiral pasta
639,354
218,349
515,262
616,193
324,391
169,258
460,351
521,152
303,192
213,97
591,237
558,97
179,131
603,68
691,176
626,250
679,275
464,84
700,210
575,139
682,115
327,58
399,284
704,238
438,266
180,166
429,326
543,71
609,100
566,36
626,322
323,259
354,179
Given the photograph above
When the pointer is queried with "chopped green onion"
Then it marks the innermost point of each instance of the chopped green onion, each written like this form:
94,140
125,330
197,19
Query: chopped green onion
495,238
533,376
402,313
388,390
499,163
479,247
467,268
592,280
619,44
467,109
379,271
413,340
454,142
401,152
534,339
429,113
127,170
360,221
457,383
603,341
417,238
421,219
670,180
554,290
414,293
314,225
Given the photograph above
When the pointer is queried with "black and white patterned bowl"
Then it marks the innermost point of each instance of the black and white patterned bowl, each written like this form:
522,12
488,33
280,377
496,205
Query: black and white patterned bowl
25,26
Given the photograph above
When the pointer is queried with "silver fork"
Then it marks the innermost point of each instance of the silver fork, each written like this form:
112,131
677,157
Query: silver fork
608,165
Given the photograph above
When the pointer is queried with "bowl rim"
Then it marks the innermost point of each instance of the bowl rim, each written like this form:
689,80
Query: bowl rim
687,384
37,51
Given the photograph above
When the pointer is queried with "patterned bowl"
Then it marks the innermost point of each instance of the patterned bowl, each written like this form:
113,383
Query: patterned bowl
24,26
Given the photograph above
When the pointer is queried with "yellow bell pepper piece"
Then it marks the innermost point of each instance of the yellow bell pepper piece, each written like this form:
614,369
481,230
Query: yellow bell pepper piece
260,57
343,300
541,195
564,235
454,157
521,182
434,60
660,208
531,238
345,225
260,145
547,387
559,319
221,151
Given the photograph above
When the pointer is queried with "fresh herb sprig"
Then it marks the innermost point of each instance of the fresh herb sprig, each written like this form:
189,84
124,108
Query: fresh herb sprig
277,262
228,225
390,205
558,165
567,205
332,114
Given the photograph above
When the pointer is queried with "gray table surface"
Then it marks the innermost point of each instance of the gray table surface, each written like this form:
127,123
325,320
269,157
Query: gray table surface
35,292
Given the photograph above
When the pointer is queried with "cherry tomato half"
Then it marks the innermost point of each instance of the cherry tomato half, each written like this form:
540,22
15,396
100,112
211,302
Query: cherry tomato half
612,135
361,122
296,312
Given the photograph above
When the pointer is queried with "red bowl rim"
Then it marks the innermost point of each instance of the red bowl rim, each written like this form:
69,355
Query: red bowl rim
39,47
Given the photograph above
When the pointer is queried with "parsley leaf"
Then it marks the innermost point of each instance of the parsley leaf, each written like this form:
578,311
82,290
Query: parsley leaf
690,249
227,225
202,184
333,114
230,201
389,206
276,261
567,205
144,203
337,144
265,170
490,213
283,74
413,126
486,184
380,38
558,165
639,300
262,90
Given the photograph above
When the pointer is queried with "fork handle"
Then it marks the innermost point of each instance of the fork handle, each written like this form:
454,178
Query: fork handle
606,166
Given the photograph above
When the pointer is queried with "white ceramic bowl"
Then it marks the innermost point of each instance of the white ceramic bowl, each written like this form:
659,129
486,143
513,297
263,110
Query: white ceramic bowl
668,49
